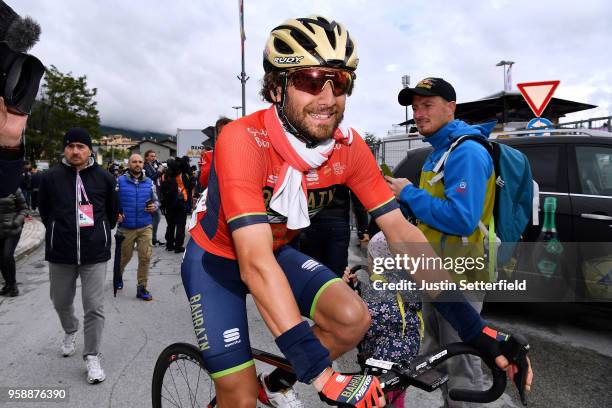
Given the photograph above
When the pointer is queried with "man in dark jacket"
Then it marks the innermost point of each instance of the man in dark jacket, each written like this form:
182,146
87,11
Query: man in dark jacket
175,199
13,210
138,201
79,207
152,169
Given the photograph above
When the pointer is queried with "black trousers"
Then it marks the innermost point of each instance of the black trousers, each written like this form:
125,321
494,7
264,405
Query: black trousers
176,218
7,259
327,241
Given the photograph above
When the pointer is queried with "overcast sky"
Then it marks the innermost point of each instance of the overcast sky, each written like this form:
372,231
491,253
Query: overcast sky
161,65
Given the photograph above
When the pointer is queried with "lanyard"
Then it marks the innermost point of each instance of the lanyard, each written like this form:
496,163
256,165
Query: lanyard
81,189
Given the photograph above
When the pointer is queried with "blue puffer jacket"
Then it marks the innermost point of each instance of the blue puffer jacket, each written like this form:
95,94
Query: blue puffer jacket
133,197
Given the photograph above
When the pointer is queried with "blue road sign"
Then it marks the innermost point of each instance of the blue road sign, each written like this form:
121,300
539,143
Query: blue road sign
540,123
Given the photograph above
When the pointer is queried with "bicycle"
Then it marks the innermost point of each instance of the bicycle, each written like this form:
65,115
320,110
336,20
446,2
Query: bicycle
393,376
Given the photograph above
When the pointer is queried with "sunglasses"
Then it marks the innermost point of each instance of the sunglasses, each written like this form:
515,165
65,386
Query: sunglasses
313,80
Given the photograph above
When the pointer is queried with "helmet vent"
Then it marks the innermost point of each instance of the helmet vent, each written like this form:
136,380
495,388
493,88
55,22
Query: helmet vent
350,47
304,41
282,46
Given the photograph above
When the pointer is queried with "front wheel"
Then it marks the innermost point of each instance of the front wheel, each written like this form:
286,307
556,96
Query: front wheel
180,379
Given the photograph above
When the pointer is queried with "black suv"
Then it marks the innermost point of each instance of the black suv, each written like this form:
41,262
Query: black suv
575,166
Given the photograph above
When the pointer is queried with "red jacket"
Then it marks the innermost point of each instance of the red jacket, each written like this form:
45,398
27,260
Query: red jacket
205,162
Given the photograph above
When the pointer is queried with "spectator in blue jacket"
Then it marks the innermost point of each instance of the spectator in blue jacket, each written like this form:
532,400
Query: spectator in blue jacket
137,201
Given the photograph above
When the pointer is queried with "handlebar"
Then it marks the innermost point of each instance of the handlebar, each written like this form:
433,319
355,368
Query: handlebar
397,376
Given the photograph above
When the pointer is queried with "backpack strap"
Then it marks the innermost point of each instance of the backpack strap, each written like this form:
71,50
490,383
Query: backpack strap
439,167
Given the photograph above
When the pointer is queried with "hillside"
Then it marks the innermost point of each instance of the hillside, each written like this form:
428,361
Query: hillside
134,134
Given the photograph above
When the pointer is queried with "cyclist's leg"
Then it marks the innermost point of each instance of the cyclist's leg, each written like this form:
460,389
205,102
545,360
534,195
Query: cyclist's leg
341,317
217,299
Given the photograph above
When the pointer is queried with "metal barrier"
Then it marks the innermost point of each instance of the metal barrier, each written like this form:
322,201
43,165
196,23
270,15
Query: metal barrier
603,123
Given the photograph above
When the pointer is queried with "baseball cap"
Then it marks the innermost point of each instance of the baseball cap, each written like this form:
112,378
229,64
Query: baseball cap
427,87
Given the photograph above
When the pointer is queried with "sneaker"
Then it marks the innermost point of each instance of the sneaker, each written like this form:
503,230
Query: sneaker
143,293
283,399
68,344
179,250
95,374
120,284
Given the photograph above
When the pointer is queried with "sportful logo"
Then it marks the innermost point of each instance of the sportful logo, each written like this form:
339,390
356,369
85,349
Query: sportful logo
310,265
231,337
288,60
312,176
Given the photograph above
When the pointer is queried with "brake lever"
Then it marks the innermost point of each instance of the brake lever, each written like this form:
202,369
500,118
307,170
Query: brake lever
515,349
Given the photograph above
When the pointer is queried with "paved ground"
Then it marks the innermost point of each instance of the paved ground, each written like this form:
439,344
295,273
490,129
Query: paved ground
572,357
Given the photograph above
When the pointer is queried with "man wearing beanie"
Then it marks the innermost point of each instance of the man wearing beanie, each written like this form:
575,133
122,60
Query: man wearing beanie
79,207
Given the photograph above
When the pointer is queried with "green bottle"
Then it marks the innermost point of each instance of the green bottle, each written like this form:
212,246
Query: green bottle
549,263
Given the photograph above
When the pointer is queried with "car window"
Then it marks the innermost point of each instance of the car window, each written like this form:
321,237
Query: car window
595,169
544,162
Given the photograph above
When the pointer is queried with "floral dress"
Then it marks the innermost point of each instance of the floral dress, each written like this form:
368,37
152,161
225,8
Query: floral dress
390,337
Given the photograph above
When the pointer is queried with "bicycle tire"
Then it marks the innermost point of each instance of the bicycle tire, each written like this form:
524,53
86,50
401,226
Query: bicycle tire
175,364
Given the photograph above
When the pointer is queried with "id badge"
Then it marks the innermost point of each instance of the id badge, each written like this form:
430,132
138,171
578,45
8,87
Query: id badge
86,215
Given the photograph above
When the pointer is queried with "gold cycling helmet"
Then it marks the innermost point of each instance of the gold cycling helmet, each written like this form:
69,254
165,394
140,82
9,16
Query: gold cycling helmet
310,42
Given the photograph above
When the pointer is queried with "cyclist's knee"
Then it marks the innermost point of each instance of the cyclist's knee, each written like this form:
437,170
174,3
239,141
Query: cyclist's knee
353,321
238,390
236,401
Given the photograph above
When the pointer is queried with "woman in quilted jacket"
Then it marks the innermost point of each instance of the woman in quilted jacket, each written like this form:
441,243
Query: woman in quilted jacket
13,210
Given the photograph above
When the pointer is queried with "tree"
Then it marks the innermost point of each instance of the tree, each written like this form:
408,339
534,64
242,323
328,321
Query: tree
373,142
65,102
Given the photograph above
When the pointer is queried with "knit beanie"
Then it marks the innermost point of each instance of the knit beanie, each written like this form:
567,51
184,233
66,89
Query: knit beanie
77,135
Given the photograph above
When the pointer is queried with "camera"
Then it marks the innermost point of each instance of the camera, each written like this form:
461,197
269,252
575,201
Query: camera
20,73
20,76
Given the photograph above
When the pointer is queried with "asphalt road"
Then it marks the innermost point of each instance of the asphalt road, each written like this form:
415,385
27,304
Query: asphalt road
571,351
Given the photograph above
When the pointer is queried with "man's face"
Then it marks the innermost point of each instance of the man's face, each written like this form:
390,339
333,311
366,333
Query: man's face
151,157
136,164
317,116
431,113
77,154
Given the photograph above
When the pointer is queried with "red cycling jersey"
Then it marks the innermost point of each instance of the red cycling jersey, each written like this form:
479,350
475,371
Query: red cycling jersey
245,172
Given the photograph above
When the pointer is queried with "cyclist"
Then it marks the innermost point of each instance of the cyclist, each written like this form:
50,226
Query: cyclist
272,170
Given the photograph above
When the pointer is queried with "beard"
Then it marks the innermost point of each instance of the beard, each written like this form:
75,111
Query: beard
136,172
299,119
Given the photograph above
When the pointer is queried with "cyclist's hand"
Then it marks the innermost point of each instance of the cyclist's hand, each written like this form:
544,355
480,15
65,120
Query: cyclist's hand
509,353
353,390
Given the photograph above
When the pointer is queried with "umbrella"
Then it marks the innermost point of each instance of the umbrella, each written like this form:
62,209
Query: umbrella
117,264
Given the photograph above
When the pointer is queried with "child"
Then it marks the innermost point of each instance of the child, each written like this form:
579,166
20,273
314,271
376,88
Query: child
394,334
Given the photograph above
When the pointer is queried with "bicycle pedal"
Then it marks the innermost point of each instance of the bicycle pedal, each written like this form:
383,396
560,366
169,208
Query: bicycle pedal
429,380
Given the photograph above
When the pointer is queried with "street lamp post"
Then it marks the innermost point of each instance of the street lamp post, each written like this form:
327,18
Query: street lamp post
237,109
406,84
503,63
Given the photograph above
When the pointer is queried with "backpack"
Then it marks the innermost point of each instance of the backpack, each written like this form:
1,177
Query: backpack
516,198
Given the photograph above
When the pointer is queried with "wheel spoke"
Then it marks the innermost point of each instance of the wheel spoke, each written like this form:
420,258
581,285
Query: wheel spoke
178,394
